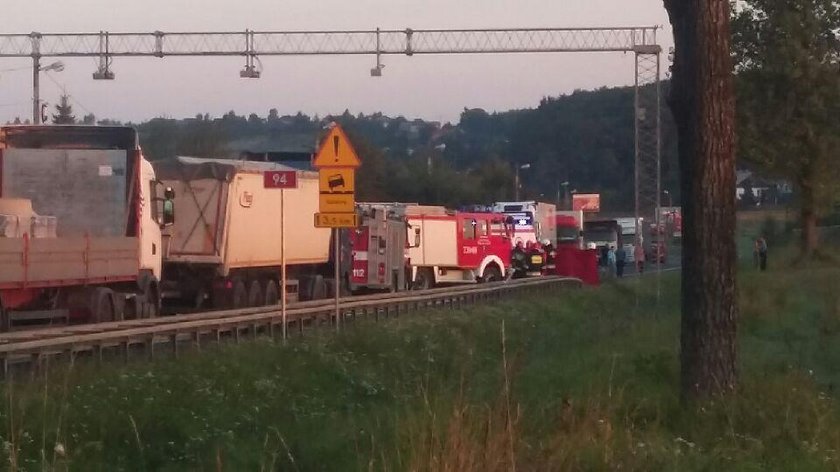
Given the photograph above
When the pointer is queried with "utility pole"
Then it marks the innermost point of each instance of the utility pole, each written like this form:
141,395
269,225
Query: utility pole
516,179
36,85
36,90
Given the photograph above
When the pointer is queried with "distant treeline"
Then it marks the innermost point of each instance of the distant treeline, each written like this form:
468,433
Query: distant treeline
585,138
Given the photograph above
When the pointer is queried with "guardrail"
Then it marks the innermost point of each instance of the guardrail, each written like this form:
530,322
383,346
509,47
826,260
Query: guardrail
36,347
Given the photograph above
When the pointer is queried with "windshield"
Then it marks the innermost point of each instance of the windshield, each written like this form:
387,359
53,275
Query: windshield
566,234
600,235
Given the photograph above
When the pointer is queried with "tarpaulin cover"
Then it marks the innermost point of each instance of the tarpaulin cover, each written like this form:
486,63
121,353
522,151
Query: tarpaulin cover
194,168
579,263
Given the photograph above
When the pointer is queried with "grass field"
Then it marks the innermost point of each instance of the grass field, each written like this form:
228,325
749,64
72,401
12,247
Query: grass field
582,380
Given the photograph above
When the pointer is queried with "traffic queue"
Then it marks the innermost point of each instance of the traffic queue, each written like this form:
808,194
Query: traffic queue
204,234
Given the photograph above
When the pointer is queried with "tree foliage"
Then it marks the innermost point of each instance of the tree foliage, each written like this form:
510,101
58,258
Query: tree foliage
64,112
787,55
585,138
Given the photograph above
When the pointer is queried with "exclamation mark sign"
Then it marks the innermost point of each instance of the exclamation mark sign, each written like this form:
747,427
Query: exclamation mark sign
335,147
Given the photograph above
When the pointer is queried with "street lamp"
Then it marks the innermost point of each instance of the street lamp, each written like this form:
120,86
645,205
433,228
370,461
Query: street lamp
565,186
57,66
670,202
516,179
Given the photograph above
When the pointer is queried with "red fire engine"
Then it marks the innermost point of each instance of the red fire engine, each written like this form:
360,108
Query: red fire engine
376,249
447,247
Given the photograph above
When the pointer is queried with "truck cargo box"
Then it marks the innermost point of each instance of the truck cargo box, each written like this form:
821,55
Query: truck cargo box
85,190
33,263
226,217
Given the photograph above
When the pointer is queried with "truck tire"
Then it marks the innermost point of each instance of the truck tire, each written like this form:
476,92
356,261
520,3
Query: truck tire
272,294
147,304
255,294
491,274
200,299
395,282
240,295
102,305
319,288
134,307
424,280
5,320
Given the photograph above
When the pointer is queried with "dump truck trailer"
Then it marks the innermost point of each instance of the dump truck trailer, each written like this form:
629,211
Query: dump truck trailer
224,250
80,225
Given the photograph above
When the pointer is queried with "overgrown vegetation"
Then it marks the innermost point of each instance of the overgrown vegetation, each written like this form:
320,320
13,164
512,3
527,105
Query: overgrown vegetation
786,56
573,381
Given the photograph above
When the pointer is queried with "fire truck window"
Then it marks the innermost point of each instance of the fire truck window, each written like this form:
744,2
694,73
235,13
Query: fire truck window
481,228
382,245
497,228
469,227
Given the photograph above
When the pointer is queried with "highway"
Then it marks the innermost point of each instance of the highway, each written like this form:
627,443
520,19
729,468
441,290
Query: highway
141,338
672,263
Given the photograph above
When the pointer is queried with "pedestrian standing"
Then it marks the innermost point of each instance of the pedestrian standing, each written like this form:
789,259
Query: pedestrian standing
620,259
762,254
639,256
756,257
611,260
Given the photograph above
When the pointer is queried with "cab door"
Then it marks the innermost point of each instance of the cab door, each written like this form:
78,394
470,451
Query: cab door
471,251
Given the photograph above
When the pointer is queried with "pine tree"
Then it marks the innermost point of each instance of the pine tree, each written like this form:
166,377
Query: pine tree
64,111
702,101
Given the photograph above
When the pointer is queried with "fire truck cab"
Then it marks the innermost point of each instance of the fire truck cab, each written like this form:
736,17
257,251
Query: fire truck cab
448,247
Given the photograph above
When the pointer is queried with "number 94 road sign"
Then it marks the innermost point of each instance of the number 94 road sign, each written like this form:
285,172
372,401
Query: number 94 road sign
280,179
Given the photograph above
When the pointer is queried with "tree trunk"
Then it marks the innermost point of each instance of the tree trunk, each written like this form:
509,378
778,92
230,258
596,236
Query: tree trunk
703,104
808,217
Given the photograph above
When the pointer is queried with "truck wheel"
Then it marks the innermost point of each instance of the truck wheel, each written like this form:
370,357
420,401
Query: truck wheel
134,307
102,305
319,288
395,282
5,321
491,274
272,295
423,280
255,295
201,297
240,295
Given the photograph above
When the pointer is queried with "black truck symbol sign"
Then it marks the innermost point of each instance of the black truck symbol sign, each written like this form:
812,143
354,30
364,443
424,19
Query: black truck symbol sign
335,181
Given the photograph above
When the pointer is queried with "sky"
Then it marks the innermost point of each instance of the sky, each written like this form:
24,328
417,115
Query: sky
428,87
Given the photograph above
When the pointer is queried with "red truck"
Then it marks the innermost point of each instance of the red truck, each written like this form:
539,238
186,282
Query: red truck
81,214
447,247
374,253
570,229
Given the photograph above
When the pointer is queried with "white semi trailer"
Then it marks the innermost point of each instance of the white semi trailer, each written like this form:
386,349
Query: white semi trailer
224,249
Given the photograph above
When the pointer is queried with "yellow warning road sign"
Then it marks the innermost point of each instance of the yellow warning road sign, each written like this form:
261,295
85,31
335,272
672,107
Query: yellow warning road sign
336,220
337,180
336,151
337,203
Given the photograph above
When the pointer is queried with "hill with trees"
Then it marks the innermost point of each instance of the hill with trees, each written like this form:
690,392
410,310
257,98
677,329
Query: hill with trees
585,138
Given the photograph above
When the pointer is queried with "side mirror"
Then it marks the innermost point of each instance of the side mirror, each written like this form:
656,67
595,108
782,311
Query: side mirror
168,214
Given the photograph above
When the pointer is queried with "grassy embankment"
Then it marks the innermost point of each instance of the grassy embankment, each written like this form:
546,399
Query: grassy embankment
576,381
